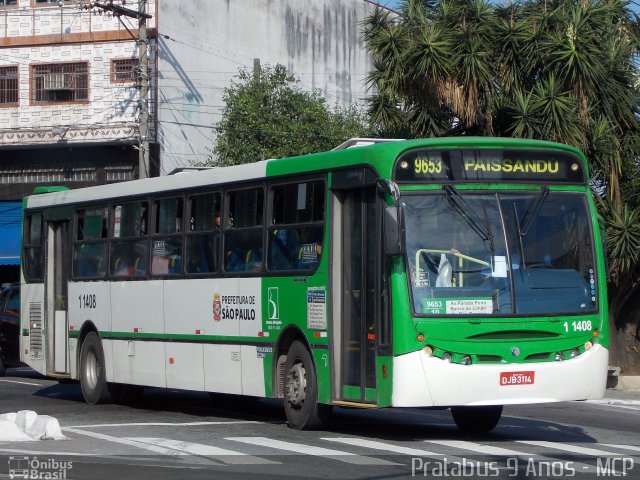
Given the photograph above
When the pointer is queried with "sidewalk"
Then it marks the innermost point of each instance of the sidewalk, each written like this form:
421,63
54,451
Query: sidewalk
624,383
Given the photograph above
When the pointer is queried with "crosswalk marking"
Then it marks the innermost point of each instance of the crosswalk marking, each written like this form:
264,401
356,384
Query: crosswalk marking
387,447
624,447
568,448
216,455
312,450
125,441
227,456
477,447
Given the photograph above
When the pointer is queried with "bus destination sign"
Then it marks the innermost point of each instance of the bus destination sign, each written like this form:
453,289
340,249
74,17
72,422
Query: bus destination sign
476,165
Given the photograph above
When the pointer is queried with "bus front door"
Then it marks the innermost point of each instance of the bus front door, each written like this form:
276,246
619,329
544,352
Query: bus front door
56,326
356,261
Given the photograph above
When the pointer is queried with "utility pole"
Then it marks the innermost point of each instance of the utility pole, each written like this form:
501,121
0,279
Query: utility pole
143,67
143,64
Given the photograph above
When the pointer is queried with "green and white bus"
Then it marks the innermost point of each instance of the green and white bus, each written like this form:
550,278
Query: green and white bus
453,272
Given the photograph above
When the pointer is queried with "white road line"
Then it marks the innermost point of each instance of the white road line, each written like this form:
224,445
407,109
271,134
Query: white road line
209,451
162,424
476,447
569,448
625,447
125,441
23,383
312,450
62,454
387,447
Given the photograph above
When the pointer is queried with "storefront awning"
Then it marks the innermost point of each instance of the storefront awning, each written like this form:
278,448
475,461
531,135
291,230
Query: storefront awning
10,223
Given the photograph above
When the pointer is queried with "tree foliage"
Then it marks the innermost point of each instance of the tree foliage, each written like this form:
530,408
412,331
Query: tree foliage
270,115
561,70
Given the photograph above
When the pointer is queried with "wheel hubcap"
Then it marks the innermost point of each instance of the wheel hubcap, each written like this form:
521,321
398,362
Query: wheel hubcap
91,369
296,385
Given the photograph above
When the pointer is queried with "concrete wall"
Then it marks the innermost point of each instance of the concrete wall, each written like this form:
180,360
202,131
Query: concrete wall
209,40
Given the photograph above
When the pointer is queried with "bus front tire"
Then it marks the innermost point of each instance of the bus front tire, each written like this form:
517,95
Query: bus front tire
476,420
301,390
95,388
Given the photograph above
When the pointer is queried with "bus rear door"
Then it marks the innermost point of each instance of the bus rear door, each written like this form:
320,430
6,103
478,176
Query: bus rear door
56,317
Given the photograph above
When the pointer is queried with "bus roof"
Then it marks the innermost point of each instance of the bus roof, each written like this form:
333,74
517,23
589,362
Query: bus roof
380,155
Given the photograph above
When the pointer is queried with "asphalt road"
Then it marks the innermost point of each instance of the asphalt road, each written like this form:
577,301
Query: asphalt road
171,434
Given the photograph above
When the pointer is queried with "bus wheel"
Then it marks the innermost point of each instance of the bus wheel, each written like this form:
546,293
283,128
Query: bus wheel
476,420
92,372
301,390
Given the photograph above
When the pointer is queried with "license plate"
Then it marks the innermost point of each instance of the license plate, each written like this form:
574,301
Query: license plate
517,378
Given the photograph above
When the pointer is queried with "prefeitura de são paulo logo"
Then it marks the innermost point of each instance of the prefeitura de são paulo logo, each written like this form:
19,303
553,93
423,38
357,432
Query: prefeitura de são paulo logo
216,307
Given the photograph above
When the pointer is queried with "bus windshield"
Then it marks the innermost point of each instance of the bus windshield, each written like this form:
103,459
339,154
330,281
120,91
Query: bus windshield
489,253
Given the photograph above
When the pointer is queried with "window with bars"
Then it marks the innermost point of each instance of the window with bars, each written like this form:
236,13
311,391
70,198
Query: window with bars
46,175
8,86
124,70
114,174
60,82
56,2
8,3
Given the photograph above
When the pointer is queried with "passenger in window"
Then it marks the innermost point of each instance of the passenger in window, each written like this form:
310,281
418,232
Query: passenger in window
233,261
284,249
218,219
123,267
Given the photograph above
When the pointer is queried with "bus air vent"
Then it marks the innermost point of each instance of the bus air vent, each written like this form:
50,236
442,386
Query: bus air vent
489,358
539,356
35,330
513,335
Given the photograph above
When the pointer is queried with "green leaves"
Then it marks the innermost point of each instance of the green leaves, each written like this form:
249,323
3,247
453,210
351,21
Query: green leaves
270,115
623,239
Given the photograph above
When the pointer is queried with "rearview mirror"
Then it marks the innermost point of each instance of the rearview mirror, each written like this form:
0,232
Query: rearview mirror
393,229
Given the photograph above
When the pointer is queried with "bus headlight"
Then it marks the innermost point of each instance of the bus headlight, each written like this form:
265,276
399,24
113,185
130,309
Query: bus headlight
588,345
574,353
428,351
466,360
558,356
446,356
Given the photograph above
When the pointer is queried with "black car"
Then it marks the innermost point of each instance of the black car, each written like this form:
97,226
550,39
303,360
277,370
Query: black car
9,327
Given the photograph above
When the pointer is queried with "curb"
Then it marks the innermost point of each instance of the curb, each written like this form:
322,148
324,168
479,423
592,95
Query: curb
625,383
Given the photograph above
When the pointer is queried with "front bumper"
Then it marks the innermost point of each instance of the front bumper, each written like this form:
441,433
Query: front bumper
420,380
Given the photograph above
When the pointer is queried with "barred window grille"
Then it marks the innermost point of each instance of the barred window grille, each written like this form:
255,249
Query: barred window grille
124,70
46,175
60,82
8,85
114,174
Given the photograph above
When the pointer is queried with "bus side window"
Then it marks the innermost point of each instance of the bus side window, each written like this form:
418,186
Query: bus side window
296,231
90,245
203,235
128,247
243,234
32,241
166,250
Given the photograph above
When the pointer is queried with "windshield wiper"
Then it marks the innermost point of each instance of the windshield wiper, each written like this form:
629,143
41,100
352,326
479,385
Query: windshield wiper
527,220
462,208
533,210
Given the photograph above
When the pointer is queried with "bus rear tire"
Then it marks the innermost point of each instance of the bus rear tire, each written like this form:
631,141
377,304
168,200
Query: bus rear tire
476,420
301,390
95,388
